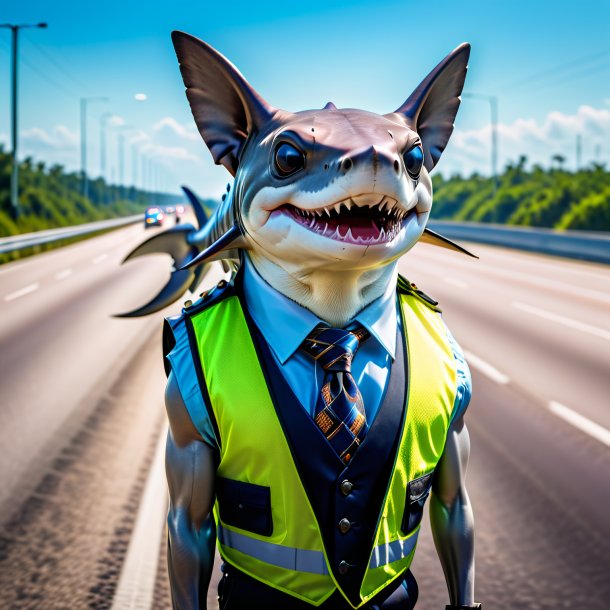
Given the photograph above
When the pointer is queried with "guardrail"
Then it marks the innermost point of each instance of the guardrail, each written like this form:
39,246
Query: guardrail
581,245
27,240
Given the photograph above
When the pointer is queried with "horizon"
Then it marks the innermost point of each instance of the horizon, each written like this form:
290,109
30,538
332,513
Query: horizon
549,94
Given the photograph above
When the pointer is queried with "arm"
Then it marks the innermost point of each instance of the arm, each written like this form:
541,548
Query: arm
190,469
451,516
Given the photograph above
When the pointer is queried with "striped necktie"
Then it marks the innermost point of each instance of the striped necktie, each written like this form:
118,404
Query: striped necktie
339,409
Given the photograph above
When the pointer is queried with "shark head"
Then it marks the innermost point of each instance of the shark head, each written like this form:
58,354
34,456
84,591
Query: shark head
329,188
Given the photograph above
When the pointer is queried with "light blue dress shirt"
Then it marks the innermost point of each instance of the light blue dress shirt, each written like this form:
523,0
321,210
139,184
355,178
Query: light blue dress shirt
285,324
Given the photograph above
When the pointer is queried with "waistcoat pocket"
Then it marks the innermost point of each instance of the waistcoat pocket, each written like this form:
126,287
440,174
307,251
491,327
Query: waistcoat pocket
417,494
245,505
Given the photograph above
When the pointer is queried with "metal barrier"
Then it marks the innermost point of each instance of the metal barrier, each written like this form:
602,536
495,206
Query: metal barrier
583,245
27,240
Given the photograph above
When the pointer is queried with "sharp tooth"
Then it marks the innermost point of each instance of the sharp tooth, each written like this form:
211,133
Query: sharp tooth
348,204
327,212
349,235
338,207
325,228
381,234
319,212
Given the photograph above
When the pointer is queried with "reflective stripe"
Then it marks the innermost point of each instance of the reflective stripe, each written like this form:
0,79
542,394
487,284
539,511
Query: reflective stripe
393,551
300,560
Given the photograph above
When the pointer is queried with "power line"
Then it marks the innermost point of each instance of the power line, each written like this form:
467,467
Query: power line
57,64
557,70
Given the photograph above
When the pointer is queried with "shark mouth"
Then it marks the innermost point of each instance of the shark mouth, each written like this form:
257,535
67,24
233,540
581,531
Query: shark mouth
363,219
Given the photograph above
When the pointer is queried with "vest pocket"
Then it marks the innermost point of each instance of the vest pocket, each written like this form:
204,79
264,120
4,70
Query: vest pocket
245,505
417,494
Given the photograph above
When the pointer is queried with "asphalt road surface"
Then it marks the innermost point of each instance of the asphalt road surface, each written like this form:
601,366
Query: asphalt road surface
81,417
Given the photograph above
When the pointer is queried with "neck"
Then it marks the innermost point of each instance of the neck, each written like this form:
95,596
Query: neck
334,296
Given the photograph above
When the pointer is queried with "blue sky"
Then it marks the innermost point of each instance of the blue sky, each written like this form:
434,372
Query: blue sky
549,64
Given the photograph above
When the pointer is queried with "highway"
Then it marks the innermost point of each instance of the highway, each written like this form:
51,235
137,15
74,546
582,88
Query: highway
81,418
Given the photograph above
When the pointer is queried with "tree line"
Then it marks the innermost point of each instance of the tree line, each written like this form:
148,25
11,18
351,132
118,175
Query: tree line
51,197
535,197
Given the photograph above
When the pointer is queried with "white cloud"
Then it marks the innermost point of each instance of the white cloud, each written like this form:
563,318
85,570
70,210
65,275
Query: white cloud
116,121
59,138
169,126
469,150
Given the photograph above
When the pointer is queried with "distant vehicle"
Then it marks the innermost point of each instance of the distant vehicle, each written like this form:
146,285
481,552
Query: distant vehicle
170,209
153,217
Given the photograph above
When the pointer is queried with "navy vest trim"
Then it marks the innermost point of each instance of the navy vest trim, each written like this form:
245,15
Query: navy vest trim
369,470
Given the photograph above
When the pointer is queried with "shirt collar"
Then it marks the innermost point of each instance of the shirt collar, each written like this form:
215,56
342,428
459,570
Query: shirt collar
380,317
285,324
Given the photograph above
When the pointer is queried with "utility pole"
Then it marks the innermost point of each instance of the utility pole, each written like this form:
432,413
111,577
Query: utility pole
83,140
14,122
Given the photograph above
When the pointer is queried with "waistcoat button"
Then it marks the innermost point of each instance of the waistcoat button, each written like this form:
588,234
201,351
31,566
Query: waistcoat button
343,567
346,487
344,525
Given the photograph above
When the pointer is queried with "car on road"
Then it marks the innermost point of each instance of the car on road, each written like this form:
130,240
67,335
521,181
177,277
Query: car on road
153,217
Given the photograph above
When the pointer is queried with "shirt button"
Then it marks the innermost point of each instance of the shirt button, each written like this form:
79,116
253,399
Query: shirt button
343,567
346,487
344,526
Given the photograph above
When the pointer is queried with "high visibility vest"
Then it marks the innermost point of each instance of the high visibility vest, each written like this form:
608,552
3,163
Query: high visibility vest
288,512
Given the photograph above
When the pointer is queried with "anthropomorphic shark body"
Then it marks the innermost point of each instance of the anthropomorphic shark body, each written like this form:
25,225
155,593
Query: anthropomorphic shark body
323,204
324,201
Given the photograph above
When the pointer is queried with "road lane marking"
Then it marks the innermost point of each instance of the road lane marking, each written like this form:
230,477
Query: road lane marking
581,422
98,259
457,283
136,585
569,322
531,279
487,369
21,293
62,275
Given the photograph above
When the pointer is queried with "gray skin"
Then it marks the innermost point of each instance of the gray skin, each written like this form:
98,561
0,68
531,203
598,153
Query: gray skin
353,158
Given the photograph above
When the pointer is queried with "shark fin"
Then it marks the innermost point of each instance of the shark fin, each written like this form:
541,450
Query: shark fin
431,237
200,213
231,240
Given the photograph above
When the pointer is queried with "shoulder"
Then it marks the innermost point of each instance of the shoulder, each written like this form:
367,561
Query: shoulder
181,425
463,377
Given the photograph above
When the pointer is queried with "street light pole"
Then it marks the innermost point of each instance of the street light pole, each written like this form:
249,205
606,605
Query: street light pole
83,140
14,122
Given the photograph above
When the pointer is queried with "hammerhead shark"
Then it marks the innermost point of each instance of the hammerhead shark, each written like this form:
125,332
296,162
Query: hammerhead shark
315,192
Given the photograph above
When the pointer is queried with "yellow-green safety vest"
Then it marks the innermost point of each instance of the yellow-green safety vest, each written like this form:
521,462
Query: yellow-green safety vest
266,525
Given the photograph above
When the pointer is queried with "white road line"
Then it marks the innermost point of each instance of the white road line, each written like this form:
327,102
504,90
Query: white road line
531,279
62,275
98,259
21,293
487,369
136,584
457,283
569,322
581,422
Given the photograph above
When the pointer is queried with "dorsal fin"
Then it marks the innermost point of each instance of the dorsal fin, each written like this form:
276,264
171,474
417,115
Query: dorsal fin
200,212
330,106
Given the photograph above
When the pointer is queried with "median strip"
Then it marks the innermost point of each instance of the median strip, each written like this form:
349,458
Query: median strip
569,322
21,293
487,369
581,422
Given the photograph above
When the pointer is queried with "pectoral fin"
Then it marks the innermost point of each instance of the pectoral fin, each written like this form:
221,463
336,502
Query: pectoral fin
431,237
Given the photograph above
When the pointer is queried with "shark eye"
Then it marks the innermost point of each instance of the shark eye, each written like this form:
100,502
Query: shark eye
414,160
288,159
